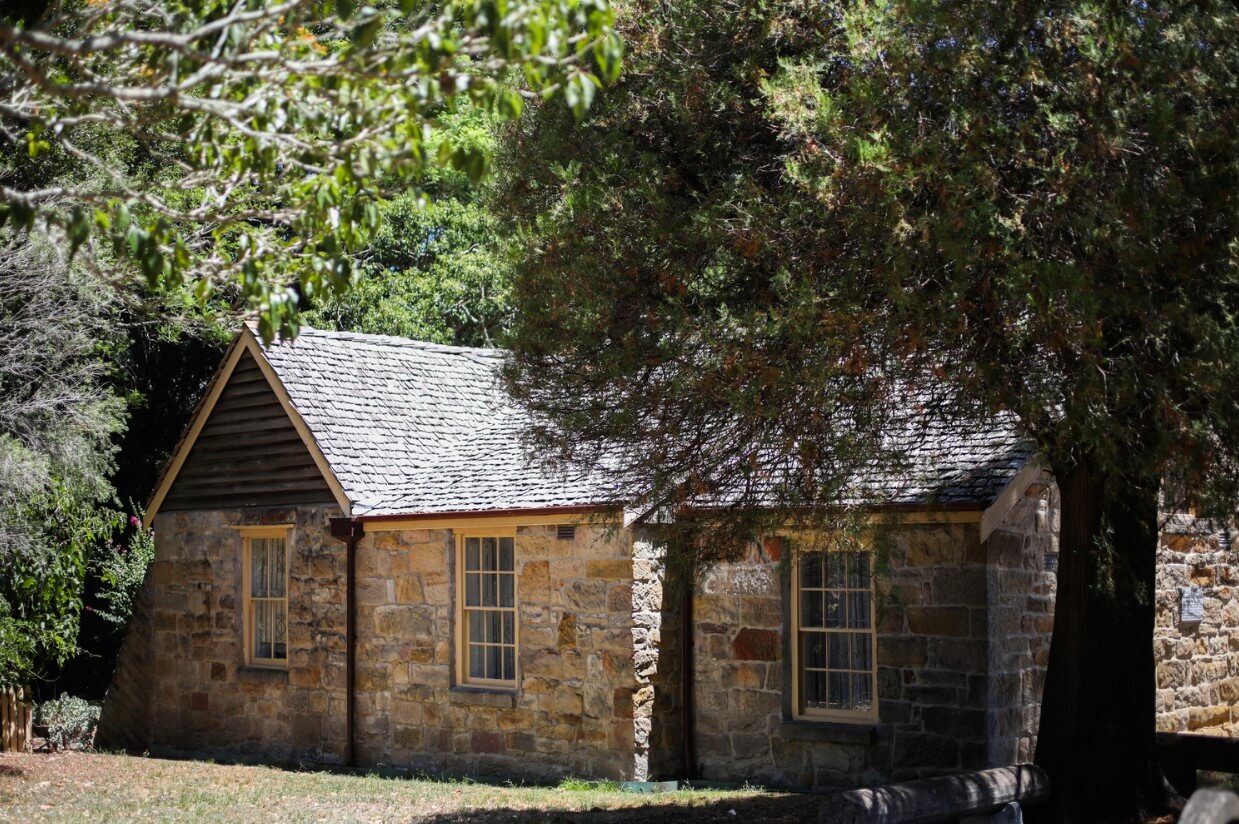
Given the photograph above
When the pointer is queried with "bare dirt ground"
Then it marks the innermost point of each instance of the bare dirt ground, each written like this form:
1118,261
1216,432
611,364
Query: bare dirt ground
81,787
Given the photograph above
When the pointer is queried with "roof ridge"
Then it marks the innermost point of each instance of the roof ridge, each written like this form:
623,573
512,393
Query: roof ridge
394,340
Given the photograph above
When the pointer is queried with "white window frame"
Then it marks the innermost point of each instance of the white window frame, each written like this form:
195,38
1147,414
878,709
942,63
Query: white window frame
799,711
248,534
462,613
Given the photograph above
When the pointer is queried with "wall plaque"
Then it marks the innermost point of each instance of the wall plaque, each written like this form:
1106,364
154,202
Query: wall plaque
1192,604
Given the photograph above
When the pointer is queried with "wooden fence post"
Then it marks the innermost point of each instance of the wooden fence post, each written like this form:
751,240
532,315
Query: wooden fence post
6,708
28,710
15,719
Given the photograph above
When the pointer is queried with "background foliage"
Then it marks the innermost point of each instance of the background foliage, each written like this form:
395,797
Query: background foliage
437,267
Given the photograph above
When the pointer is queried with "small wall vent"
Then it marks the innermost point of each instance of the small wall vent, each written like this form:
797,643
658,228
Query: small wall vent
565,532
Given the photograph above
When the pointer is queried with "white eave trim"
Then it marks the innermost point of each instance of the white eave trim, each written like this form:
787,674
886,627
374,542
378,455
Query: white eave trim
1010,495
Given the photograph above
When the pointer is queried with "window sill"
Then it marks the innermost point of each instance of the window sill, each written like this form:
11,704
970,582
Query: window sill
251,672
482,696
837,732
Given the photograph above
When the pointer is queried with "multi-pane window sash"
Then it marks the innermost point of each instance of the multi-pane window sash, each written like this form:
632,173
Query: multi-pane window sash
267,600
835,636
489,611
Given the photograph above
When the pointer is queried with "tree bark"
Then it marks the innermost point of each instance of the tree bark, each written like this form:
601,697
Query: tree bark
1097,739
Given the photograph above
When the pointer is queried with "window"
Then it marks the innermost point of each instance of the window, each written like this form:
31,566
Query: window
833,645
266,596
487,615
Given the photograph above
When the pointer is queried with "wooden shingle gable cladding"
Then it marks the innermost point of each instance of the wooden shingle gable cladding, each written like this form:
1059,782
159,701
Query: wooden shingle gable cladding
246,446
248,453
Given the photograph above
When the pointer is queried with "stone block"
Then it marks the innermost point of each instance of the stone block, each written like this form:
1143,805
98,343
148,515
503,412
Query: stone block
958,655
748,745
374,591
754,580
409,589
616,666
755,645
305,677
747,676
757,611
622,702
487,742
924,750
619,599
964,586
894,712
613,569
954,722
902,652
1199,718
721,611
942,621
524,742
403,621
534,582
585,595
373,677
933,547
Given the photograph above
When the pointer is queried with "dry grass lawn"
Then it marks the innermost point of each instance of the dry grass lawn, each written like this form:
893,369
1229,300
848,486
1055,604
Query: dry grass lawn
76,787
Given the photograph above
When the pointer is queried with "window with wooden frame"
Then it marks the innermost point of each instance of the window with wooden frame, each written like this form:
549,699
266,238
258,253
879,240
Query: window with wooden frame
833,643
486,639
266,596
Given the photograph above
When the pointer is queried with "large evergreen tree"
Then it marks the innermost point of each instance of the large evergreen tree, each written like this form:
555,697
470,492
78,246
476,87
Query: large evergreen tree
787,223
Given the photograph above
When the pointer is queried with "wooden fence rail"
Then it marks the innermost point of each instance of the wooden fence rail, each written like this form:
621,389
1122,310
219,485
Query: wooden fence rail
14,719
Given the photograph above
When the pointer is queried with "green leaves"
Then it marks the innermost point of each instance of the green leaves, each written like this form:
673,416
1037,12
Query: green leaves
263,172
579,93
781,211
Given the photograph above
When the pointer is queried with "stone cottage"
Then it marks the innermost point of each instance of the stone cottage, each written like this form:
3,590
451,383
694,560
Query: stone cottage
356,563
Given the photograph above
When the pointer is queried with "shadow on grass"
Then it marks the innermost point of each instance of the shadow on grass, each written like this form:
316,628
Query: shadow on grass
779,809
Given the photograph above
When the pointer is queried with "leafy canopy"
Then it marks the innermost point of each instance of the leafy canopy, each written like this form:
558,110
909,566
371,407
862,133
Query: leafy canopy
785,225
276,129
436,268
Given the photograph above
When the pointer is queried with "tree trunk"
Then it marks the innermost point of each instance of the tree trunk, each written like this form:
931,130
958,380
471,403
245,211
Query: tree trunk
1097,737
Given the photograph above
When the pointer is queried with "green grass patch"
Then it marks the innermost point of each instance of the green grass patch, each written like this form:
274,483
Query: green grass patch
582,785
87,788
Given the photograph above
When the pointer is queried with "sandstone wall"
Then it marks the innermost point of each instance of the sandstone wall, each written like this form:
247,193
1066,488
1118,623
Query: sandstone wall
931,653
574,711
657,650
581,709
127,716
1021,555
183,649
1197,661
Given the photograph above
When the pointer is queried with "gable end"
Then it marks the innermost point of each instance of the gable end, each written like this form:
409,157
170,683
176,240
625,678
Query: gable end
248,453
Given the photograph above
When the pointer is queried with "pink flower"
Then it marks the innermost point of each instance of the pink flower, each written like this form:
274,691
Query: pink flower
133,520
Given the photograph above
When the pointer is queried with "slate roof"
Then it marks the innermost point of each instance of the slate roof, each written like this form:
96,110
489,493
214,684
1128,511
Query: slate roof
411,428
